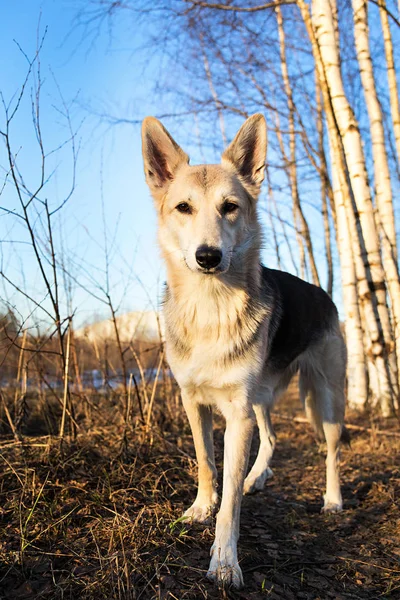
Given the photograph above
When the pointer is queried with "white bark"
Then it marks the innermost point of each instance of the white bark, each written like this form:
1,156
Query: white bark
383,189
345,135
346,230
357,379
391,74
324,190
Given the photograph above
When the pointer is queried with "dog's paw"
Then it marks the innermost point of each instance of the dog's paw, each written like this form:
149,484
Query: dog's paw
254,483
332,507
224,567
199,513
225,575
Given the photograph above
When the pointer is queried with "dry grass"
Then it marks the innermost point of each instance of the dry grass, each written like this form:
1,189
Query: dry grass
96,519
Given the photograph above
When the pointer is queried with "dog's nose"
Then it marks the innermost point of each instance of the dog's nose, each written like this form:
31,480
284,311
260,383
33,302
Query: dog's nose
208,257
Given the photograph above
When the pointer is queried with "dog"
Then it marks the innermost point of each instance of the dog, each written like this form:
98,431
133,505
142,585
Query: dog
237,332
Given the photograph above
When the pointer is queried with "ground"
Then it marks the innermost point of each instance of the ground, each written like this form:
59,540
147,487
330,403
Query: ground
97,519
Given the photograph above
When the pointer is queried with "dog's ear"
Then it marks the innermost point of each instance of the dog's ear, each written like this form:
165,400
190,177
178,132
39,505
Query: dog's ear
161,156
247,152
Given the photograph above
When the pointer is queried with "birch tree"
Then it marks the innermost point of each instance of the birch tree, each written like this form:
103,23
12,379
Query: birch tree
372,286
246,62
383,188
298,214
325,191
357,378
391,74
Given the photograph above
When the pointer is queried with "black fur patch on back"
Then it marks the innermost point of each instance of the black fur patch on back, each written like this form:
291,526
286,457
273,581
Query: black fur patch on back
306,313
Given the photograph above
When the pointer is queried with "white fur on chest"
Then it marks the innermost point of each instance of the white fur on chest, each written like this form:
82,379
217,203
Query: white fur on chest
209,321
204,368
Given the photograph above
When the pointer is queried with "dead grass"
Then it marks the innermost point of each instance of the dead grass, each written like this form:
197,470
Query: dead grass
93,519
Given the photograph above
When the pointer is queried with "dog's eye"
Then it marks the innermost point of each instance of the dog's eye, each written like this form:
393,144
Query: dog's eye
229,207
184,207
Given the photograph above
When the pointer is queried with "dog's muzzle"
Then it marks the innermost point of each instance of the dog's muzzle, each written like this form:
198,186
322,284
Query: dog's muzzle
208,257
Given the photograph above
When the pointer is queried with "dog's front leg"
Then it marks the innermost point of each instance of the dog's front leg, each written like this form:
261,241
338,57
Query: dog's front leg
200,419
224,567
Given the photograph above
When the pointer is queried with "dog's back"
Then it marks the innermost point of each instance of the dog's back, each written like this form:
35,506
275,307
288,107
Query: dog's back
304,313
304,337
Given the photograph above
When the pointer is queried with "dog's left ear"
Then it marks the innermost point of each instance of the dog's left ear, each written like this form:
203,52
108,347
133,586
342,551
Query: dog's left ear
247,152
162,156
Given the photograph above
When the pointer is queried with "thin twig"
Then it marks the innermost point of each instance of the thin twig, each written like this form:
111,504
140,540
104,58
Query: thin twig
9,419
65,397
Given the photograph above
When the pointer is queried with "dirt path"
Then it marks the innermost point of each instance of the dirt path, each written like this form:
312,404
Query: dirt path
78,522
289,549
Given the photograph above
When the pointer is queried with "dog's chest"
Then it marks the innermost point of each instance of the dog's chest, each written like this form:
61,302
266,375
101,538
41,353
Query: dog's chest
212,341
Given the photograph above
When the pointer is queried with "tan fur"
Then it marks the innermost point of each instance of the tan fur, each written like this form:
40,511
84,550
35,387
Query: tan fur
218,324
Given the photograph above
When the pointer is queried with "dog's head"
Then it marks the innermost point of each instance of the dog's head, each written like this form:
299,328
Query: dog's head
207,213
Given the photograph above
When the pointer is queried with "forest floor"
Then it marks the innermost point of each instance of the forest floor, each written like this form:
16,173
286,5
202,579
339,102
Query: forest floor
84,520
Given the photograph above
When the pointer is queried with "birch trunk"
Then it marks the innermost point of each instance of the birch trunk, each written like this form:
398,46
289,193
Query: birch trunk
383,189
295,200
324,192
282,223
373,287
347,148
297,208
273,228
391,74
357,379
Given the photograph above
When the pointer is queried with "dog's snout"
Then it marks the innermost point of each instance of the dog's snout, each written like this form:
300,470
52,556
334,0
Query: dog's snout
208,257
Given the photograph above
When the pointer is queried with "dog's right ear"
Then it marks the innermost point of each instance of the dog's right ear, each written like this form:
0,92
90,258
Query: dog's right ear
162,156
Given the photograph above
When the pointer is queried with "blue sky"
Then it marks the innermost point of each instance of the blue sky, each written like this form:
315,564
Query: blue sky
97,72
93,74
98,77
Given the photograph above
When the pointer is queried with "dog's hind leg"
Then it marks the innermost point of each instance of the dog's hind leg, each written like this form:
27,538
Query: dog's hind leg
325,404
324,409
200,419
261,471
333,497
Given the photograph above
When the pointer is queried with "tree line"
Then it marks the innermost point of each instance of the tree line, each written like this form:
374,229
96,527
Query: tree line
324,73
